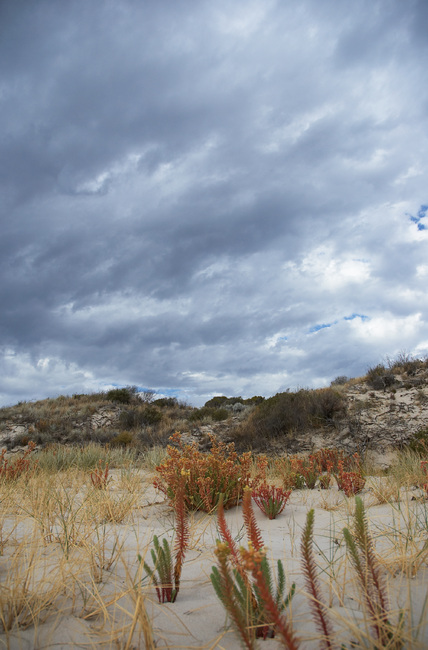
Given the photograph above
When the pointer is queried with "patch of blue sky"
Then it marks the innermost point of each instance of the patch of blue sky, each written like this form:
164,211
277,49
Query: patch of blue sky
320,326
422,213
355,315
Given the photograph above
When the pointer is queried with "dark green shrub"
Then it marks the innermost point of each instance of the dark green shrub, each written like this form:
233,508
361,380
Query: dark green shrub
140,416
211,413
380,378
287,413
340,380
123,439
166,402
419,442
121,395
326,405
150,415
220,414
129,418
216,402
253,401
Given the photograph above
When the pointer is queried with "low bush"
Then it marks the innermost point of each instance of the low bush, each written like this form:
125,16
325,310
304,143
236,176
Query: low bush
271,499
207,475
341,380
380,378
122,395
407,364
215,414
419,442
11,470
166,402
123,439
291,413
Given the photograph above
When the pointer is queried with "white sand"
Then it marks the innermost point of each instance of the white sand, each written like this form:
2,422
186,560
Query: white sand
80,618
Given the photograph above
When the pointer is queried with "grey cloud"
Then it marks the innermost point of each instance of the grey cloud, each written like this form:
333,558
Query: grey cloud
185,186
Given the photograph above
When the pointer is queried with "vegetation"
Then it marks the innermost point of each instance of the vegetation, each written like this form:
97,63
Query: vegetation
290,414
207,475
243,581
82,534
166,571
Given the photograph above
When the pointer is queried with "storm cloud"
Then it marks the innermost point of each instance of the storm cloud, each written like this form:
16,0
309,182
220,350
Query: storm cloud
203,198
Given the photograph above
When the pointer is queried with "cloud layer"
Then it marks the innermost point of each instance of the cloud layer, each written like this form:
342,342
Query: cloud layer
208,198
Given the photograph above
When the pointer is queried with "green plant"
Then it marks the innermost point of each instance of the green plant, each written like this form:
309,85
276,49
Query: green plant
419,442
166,571
361,552
340,380
207,475
243,582
270,499
291,412
122,439
216,414
121,395
318,607
325,481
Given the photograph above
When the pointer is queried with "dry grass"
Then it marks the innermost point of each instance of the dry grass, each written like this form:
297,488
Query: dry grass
69,569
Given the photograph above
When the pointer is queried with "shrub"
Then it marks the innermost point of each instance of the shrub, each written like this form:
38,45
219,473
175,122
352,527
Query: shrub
379,377
406,364
218,415
207,412
121,395
123,439
288,412
270,499
166,571
216,402
419,442
208,475
10,470
340,380
125,395
244,583
298,472
99,477
166,402
150,415
350,483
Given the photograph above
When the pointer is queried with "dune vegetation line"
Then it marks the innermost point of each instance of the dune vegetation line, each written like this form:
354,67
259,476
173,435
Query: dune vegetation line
200,541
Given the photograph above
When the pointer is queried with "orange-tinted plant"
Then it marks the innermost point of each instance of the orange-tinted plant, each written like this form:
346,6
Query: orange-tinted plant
243,582
361,552
10,470
308,469
99,476
270,499
166,571
350,483
316,602
207,475
290,477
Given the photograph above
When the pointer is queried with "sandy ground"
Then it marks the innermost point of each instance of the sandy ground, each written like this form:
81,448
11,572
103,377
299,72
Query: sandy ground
89,613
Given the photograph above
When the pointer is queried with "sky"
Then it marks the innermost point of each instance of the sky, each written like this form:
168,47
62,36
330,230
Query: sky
204,198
